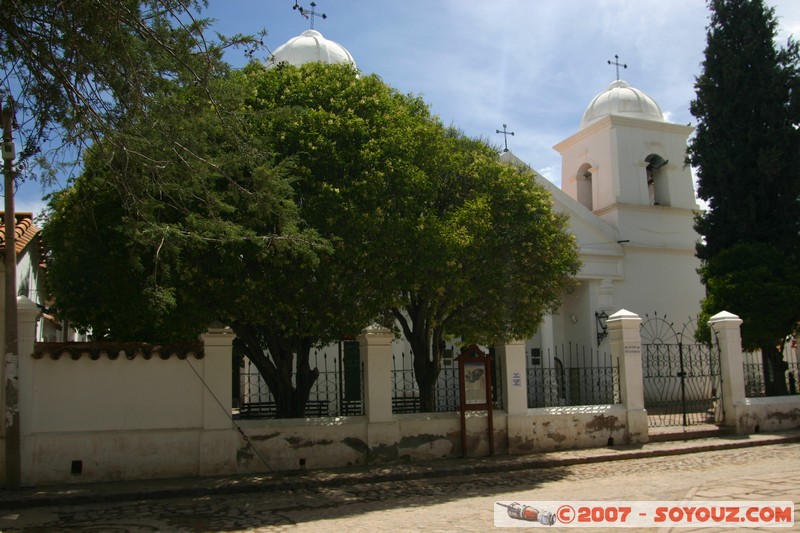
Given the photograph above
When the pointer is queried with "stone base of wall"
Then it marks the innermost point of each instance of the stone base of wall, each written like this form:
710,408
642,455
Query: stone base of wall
775,413
50,458
348,441
328,443
294,444
560,428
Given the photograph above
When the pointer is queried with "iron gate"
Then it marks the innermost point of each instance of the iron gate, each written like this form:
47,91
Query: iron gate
681,376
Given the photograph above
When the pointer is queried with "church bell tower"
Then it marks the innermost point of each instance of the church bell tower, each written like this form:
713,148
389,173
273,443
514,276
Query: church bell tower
626,165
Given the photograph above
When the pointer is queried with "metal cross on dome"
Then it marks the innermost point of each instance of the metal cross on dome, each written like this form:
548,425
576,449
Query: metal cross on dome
617,64
505,133
309,14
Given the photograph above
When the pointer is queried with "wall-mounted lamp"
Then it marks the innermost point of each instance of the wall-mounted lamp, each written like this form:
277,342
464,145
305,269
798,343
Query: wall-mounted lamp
602,327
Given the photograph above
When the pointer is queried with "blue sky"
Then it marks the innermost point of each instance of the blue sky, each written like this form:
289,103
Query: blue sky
534,65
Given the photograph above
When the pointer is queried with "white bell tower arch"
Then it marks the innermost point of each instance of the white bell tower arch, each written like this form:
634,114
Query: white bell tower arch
626,165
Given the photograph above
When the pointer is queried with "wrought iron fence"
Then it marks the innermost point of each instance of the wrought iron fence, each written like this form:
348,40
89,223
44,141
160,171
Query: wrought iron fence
572,375
338,390
681,384
754,385
447,398
682,378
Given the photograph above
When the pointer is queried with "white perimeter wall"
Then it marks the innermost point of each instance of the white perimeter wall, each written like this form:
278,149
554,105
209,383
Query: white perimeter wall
97,420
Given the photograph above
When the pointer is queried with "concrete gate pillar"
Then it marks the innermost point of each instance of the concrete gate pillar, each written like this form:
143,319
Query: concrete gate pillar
216,371
626,346
514,377
375,344
727,328
219,441
515,392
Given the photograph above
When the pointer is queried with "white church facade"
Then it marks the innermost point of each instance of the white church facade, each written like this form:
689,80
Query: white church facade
631,206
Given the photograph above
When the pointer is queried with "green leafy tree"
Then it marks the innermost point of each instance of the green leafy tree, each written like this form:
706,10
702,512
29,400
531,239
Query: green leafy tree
274,240
201,228
747,154
756,279
75,69
357,145
482,256
449,240
356,206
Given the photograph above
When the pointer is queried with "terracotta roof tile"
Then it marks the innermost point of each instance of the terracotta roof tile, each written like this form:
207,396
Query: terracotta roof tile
24,232
114,350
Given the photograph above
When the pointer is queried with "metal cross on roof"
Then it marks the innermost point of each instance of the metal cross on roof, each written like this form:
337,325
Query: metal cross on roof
617,64
505,133
309,14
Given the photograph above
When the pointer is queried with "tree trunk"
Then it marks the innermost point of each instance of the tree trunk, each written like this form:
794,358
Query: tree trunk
275,360
774,371
426,347
427,366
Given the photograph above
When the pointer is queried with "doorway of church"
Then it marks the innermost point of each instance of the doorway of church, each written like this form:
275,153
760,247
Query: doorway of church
682,384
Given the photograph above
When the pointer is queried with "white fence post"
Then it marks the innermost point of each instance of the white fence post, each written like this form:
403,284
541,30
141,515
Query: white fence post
216,373
375,343
219,441
514,377
626,345
727,328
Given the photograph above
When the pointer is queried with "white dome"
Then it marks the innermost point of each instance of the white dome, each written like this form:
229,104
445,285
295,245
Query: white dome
622,99
308,47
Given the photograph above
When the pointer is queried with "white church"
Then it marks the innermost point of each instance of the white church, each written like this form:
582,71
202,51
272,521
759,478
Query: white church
631,205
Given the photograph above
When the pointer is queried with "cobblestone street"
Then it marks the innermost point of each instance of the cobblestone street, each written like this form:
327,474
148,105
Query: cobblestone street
459,503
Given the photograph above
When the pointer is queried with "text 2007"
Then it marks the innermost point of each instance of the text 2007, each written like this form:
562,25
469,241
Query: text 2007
602,514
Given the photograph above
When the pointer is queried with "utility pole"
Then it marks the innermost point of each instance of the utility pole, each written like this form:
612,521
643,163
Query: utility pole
11,362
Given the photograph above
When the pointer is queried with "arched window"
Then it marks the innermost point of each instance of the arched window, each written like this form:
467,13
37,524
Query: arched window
657,186
584,188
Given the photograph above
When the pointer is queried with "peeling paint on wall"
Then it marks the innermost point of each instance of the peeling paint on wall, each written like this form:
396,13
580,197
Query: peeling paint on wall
297,442
356,444
520,445
781,417
244,456
425,446
603,423
266,437
628,437
384,452
417,440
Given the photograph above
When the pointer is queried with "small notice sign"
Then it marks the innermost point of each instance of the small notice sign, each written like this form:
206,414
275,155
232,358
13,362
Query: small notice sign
633,348
475,387
475,382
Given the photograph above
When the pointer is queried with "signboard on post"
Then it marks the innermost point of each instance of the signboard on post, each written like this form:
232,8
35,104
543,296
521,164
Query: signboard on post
475,386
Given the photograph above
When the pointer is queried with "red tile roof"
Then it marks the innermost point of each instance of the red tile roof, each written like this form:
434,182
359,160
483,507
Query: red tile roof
114,350
24,232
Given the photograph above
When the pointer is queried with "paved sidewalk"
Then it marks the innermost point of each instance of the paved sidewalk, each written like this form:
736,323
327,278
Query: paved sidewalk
166,488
